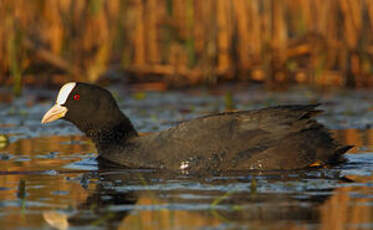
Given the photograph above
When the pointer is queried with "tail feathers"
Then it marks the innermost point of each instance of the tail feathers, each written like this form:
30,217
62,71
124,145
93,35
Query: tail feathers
310,114
337,157
342,150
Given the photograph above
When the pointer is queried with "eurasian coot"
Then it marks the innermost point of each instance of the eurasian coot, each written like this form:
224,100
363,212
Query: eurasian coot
274,138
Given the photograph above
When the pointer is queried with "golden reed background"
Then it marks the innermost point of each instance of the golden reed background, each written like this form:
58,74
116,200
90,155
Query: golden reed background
325,42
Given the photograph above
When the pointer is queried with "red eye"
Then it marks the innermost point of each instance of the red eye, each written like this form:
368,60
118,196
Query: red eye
76,97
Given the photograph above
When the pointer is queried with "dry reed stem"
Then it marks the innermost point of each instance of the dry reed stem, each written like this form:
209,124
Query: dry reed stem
223,35
240,11
138,38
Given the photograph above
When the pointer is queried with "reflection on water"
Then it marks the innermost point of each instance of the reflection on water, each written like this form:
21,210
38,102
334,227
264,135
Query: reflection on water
49,177
349,206
361,139
55,181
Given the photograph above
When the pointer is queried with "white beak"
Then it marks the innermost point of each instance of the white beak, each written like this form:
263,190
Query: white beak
54,113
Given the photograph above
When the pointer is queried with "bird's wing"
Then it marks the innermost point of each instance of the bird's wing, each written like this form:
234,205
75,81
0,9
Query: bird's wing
225,139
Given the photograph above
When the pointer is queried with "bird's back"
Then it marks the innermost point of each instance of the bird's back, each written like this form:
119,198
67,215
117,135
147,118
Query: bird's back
282,137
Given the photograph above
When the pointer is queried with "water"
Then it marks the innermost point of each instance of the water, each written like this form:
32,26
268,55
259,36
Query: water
49,178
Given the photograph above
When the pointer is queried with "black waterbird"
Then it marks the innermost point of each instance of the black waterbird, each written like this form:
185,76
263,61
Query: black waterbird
274,138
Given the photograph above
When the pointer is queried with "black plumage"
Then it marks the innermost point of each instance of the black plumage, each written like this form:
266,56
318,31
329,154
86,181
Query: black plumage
281,137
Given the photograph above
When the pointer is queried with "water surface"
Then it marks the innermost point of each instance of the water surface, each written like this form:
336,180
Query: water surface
49,177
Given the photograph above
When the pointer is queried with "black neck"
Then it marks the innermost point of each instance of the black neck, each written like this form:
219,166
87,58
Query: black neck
108,135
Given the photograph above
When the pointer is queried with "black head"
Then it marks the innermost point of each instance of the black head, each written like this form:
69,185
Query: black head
91,108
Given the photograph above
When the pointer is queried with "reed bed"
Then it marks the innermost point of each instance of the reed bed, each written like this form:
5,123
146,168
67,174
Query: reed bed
189,42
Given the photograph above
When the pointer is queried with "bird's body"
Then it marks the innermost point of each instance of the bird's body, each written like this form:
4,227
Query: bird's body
274,138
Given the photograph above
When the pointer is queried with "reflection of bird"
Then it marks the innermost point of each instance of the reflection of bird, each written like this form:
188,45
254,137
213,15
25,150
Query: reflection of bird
97,203
282,137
